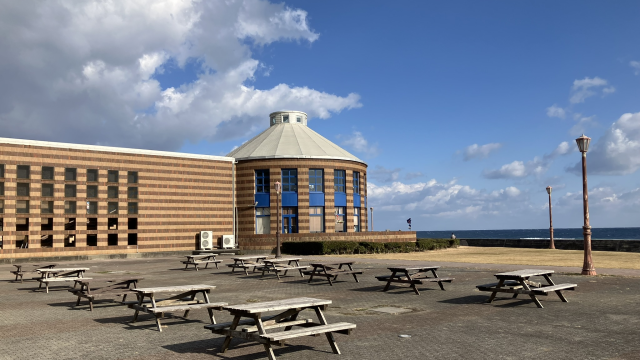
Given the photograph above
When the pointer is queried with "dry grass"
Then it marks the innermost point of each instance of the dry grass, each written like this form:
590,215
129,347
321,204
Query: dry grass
497,255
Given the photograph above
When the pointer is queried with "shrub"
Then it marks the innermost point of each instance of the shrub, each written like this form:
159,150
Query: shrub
352,247
435,244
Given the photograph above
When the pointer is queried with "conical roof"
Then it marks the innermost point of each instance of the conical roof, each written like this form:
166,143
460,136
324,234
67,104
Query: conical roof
290,140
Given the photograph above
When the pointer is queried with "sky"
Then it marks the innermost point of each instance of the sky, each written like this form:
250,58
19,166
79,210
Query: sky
464,111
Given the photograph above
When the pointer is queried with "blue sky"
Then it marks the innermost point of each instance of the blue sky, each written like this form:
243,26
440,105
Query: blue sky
409,87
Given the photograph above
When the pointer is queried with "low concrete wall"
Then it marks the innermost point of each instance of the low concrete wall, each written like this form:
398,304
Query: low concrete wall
267,243
53,259
596,245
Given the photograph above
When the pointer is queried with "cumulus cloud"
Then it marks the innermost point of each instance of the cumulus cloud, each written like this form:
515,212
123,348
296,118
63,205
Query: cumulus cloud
476,151
604,198
556,111
617,152
382,174
359,144
582,89
84,72
636,66
536,167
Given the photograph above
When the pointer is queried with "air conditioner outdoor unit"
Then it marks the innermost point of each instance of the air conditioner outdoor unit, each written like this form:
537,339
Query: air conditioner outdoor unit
206,240
228,242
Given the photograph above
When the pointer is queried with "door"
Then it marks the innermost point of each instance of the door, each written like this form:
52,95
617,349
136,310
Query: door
289,224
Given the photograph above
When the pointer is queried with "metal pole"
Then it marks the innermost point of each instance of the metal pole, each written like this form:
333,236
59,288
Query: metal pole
587,267
551,245
278,254
371,219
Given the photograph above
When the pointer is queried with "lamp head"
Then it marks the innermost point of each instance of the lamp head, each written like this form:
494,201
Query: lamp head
278,187
549,190
583,143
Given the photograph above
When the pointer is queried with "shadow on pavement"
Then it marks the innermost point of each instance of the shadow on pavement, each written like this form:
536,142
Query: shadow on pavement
212,346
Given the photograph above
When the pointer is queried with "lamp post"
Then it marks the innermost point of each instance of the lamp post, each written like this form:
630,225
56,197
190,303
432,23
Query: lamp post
371,219
278,189
587,266
551,245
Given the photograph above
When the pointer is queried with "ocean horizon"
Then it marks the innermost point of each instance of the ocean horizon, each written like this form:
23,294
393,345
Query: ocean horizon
626,233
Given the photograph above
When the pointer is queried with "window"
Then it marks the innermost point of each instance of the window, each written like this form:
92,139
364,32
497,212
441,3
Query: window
70,191
132,177
112,176
92,224
263,220
262,181
47,173
92,240
46,241
273,120
47,190
132,239
112,223
112,208
22,224
1,189
112,192
290,180
132,224
46,224
70,224
92,191
338,181
315,180
316,219
92,207
92,175
22,243
70,241
1,206
23,171
1,170
285,118
70,174
46,207
22,206
341,223
132,192
299,119
356,219
132,208
289,220
69,207
112,239
23,189
356,182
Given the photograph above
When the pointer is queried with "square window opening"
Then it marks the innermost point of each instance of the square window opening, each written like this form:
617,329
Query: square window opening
46,207
70,241
132,177
70,174
92,191
112,223
112,192
1,170
70,224
132,208
22,189
92,240
22,206
46,224
46,241
23,172
289,180
22,224
132,192
69,207
112,208
132,224
112,176
92,223
23,242
47,173
1,189
70,191
47,190
132,239
92,207
112,240
92,175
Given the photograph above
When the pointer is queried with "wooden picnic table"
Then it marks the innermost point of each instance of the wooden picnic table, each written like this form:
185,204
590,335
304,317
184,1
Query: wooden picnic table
196,260
19,272
517,282
246,262
55,275
332,270
92,289
256,324
413,275
185,301
278,266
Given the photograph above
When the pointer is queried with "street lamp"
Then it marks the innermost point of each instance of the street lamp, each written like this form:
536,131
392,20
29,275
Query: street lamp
587,266
371,219
551,245
278,190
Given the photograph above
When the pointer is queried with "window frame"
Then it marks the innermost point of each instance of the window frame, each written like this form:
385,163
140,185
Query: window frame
264,175
110,205
67,188
73,171
47,186
343,216
22,185
356,182
313,213
129,192
314,183
356,218
43,171
93,171
111,188
260,213
288,177
89,196
24,167
339,178
68,204
49,208
132,177
129,208
115,173
92,207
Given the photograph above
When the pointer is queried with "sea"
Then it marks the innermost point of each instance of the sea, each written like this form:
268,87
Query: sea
627,233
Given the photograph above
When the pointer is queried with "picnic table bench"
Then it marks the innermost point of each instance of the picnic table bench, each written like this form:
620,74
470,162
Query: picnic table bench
19,271
277,266
420,275
332,270
517,282
196,260
287,317
185,301
104,288
246,262
60,275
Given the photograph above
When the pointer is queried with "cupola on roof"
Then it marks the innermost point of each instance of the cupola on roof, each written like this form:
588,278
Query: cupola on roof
288,136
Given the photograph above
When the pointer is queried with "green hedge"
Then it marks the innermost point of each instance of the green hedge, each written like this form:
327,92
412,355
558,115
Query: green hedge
352,247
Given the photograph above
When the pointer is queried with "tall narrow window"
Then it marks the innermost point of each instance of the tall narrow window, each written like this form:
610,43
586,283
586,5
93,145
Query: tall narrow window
290,180
92,175
70,191
315,180
132,177
338,181
263,220
1,170
341,223
262,181
70,174
356,182
22,189
285,118
299,119
47,173
112,176
356,219
1,189
23,172
1,208
316,219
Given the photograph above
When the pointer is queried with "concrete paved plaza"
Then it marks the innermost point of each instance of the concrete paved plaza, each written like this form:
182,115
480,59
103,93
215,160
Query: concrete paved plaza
601,320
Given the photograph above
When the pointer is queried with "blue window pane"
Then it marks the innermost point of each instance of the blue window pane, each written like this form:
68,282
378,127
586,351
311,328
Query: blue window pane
339,181
290,180
262,181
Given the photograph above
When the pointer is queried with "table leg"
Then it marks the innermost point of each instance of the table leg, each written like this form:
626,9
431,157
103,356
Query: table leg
140,301
186,312
227,340
261,331
533,296
233,268
493,294
300,270
393,274
413,286
312,273
327,275
433,271
558,292
330,338
245,268
354,275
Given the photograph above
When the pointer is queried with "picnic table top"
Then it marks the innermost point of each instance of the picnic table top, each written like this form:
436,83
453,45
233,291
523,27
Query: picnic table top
249,257
20,266
113,280
408,268
60,270
281,260
200,256
179,288
524,273
277,305
317,264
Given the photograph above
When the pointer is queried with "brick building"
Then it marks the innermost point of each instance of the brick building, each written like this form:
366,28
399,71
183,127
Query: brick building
66,199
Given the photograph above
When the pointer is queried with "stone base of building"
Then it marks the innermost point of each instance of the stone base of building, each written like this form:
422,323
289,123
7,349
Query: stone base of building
53,257
267,243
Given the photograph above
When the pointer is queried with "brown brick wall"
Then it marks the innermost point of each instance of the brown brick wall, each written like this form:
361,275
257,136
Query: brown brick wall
268,242
177,198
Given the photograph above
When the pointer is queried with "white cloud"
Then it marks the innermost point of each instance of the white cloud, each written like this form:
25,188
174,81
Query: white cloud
383,174
609,90
536,167
556,111
83,71
604,198
480,152
636,66
359,144
584,88
617,152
